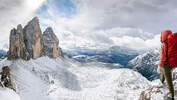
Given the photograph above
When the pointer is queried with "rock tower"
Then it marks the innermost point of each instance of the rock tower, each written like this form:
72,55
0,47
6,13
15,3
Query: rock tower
29,42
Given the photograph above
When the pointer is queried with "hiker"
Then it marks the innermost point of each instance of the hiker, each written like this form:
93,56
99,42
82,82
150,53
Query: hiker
167,59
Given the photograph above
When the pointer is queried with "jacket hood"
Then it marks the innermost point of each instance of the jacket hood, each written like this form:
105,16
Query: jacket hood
165,34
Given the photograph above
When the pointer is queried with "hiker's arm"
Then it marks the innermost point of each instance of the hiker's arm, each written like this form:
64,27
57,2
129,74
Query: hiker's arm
163,58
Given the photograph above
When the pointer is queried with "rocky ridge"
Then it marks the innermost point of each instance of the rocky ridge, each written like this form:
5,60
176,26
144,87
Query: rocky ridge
29,42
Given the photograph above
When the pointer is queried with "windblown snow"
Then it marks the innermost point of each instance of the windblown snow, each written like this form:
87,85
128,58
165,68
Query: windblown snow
66,79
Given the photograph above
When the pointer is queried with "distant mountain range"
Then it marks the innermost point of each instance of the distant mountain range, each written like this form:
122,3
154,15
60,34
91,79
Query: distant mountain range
115,54
2,54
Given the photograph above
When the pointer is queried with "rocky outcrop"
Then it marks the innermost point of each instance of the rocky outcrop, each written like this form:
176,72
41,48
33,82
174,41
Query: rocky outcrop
51,42
33,38
147,95
156,93
159,91
28,42
5,78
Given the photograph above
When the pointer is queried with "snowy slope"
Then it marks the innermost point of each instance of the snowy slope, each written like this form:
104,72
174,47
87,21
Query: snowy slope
8,94
65,79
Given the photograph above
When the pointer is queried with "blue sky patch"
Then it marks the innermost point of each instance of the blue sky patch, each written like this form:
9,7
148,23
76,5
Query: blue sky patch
64,8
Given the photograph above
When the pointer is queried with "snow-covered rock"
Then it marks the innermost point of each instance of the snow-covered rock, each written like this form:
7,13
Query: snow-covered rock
6,78
146,64
66,79
159,91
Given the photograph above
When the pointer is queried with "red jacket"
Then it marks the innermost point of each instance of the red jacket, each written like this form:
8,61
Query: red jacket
163,52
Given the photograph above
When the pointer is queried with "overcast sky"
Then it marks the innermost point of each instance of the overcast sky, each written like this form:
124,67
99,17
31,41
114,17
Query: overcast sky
94,23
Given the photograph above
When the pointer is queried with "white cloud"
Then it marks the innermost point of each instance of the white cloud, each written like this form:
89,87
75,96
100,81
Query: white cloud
113,22
137,43
126,37
14,12
149,15
97,23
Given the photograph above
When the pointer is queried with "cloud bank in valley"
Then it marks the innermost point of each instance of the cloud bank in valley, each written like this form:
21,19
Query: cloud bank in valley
102,23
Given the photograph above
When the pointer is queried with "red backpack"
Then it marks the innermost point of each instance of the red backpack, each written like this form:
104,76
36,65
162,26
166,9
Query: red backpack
172,50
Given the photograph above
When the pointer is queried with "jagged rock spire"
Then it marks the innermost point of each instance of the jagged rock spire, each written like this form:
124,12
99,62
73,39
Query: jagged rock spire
51,42
33,38
28,42
17,47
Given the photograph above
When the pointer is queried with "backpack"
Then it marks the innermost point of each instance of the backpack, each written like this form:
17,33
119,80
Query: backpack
172,50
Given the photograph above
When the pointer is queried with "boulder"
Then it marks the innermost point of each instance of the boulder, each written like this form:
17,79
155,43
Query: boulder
33,38
51,43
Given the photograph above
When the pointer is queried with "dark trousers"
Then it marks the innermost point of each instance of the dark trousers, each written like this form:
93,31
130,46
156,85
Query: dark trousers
167,75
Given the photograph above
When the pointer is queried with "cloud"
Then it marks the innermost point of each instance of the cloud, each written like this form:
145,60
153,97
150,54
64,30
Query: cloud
95,23
14,12
128,37
149,15
137,43
106,23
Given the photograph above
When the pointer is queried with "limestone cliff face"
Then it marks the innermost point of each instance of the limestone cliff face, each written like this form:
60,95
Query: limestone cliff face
28,42
33,38
51,42
17,47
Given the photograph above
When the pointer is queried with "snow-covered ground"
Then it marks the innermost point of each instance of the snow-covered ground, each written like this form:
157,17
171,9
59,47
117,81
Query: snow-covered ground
8,94
66,79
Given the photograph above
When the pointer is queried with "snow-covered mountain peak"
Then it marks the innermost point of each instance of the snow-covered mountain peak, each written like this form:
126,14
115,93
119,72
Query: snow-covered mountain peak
146,64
